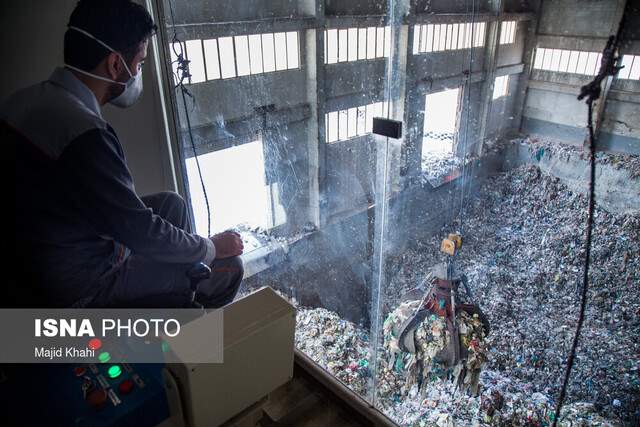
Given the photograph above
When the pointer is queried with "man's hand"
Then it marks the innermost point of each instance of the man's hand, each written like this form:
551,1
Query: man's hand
228,244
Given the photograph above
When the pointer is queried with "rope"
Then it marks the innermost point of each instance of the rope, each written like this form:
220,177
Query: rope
182,73
592,92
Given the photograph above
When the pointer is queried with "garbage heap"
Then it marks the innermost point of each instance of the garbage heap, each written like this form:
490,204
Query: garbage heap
403,370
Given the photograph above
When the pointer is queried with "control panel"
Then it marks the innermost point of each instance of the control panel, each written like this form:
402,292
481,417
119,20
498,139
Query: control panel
96,394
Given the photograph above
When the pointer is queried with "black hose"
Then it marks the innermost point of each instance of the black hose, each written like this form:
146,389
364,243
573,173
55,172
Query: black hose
591,91
587,264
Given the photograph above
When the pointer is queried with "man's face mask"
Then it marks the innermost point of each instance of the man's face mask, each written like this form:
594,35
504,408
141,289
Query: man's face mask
133,86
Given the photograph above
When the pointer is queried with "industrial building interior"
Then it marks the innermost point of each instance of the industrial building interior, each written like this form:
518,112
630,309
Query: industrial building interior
261,115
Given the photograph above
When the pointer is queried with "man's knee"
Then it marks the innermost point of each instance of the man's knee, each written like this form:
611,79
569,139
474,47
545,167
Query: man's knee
170,206
164,201
233,265
238,264
172,198
225,281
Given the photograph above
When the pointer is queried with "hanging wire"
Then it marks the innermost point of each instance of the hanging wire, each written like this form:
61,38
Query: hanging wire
467,89
466,93
591,92
182,73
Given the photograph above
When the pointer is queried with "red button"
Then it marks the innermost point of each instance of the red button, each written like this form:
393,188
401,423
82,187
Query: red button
96,398
126,387
95,343
79,371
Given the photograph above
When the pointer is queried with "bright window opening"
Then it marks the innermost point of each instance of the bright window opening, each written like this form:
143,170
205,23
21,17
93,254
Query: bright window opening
354,44
508,32
631,70
357,121
196,66
242,55
228,68
567,61
228,57
440,121
439,37
500,87
230,176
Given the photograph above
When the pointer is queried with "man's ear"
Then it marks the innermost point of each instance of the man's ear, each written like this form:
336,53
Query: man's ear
114,65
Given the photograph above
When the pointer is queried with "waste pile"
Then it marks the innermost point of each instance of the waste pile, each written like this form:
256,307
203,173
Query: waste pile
431,338
337,345
523,255
436,164
539,144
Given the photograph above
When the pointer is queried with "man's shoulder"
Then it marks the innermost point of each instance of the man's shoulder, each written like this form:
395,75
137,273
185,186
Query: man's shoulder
49,116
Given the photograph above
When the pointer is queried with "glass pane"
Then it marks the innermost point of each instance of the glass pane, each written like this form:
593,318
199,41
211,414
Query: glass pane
293,52
573,61
332,130
546,61
352,122
555,60
582,62
396,252
371,42
242,55
211,58
564,61
280,41
427,38
343,45
361,126
332,46
380,42
592,63
436,38
539,56
353,44
268,53
362,43
194,53
343,125
227,59
387,41
255,53
443,37
627,62
635,69
454,36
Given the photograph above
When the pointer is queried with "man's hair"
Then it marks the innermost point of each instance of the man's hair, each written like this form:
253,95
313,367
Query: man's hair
121,24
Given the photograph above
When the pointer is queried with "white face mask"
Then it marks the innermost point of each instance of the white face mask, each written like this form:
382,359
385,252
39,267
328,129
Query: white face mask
133,86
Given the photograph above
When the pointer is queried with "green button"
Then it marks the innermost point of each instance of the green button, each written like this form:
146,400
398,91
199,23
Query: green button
114,371
104,357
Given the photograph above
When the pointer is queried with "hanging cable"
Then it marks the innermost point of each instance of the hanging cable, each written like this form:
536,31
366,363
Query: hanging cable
467,92
182,73
591,92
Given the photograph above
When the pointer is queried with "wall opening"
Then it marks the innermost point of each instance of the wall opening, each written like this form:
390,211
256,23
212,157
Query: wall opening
230,175
440,122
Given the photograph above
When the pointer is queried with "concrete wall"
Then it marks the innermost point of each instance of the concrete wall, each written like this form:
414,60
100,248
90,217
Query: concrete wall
224,113
356,7
451,6
185,11
32,42
552,109
617,189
